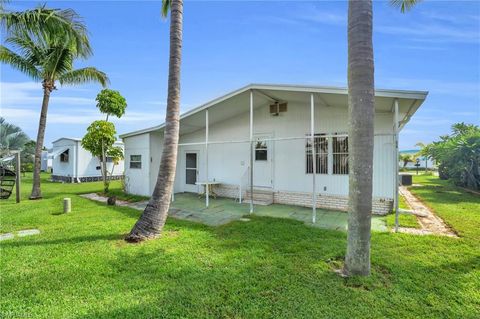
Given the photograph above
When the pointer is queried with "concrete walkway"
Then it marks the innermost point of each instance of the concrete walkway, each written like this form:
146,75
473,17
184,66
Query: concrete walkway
223,211
431,223
20,233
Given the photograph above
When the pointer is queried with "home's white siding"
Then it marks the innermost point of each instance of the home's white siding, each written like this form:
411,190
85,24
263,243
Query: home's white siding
89,166
64,168
229,162
156,146
137,181
225,161
81,164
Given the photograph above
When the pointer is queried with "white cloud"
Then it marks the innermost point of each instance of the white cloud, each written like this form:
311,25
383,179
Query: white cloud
320,16
432,32
30,93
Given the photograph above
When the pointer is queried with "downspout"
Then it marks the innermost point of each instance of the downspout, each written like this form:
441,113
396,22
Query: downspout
74,161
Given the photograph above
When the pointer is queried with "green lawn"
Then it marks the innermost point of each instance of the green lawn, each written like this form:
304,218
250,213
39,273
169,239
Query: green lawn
79,266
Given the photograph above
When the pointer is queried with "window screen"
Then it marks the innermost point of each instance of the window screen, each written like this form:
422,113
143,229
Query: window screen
261,151
191,168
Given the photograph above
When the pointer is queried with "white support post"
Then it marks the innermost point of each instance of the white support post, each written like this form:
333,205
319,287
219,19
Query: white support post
314,160
251,151
74,157
395,152
206,160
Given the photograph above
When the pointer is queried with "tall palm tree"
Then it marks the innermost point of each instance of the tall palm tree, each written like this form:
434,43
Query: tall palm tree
48,56
154,216
361,111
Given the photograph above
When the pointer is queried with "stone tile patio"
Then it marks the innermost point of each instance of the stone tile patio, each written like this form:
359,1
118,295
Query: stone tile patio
224,210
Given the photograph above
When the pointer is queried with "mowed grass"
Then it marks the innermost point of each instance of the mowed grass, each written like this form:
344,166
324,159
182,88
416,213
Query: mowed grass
80,267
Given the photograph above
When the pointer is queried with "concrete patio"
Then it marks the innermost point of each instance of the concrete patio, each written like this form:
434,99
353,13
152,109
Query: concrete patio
225,210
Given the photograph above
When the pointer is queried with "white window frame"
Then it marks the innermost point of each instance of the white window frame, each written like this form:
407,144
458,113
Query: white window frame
135,161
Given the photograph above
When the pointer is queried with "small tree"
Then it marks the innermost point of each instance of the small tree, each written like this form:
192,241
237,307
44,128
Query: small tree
100,137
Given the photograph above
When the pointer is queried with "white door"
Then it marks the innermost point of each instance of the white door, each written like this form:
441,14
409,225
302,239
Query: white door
191,171
262,162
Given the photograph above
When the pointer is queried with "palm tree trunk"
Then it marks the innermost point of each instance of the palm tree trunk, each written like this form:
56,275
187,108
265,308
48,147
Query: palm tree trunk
36,190
154,216
361,111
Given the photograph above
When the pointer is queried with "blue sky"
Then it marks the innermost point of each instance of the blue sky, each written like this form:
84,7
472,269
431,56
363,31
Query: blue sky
227,44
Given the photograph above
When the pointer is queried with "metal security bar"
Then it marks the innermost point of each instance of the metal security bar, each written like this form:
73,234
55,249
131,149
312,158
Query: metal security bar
321,154
340,155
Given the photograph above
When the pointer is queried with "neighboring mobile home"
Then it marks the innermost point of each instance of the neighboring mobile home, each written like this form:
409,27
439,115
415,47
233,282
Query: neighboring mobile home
278,122
72,163
46,162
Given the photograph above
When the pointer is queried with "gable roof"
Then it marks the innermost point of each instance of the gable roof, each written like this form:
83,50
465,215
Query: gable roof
417,96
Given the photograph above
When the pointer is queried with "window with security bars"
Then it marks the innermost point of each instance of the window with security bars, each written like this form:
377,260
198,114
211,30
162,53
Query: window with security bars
340,155
321,154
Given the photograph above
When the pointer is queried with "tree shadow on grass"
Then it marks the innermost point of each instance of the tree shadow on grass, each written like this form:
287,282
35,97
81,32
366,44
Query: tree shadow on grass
68,240
444,194
273,268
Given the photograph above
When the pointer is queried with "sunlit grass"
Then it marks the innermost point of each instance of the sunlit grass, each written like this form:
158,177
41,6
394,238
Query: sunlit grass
80,267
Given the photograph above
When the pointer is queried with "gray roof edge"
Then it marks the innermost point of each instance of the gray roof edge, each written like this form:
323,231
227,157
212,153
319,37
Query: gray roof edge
406,94
77,139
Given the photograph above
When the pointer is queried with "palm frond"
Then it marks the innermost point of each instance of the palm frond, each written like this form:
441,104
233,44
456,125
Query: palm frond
58,61
166,5
404,5
63,24
11,136
18,62
84,75
32,50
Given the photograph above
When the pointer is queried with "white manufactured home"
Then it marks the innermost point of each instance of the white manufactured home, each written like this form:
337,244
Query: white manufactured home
72,163
258,140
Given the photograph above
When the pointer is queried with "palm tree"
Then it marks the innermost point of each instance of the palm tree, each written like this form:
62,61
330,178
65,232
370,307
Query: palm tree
406,158
11,136
361,111
48,56
155,214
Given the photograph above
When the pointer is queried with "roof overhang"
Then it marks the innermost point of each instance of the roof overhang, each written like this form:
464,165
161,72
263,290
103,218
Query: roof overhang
409,102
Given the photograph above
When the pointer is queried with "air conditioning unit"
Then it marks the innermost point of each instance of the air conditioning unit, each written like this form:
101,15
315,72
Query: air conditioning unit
277,108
